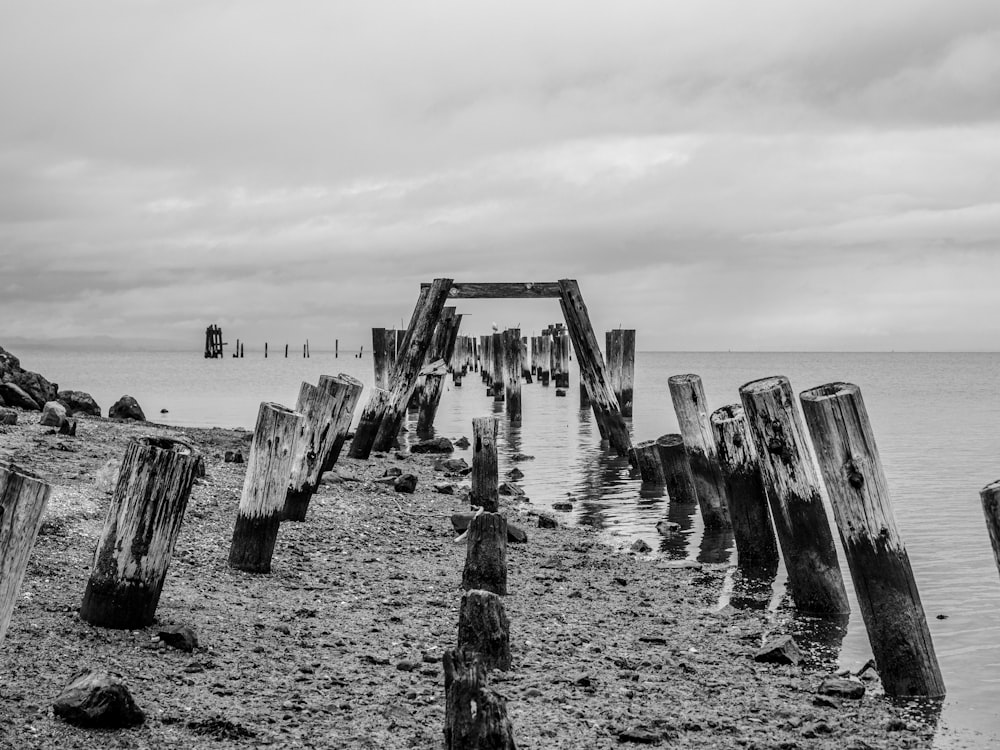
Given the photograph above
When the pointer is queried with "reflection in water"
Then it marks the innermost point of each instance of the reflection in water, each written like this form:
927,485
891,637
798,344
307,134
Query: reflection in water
715,546
820,638
751,592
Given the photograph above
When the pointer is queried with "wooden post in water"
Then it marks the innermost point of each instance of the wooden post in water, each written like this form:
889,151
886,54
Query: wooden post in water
545,359
275,441
496,374
592,372
511,361
265,350
688,397
23,498
677,469
486,554
646,456
526,372
755,542
286,351
621,366
367,429
990,497
336,348
140,530
347,391
880,566
441,350
485,474
319,408
793,492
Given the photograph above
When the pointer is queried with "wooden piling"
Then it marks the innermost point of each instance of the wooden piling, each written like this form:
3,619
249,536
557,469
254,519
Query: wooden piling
497,370
511,359
620,345
485,473
23,499
286,351
646,459
990,497
677,469
592,371
475,715
319,408
347,390
880,566
265,350
484,629
691,407
367,429
336,348
440,351
756,547
793,494
140,530
545,359
486,554
275,441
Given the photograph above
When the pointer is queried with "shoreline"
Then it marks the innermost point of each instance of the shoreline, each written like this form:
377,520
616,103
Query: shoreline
340,645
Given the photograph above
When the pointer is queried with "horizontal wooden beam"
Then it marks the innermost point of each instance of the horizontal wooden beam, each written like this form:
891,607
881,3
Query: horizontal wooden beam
504,290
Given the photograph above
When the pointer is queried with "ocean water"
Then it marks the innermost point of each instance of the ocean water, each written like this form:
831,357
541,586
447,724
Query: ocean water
936,418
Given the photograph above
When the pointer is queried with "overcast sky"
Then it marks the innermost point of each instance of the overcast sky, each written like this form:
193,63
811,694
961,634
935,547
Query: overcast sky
718,175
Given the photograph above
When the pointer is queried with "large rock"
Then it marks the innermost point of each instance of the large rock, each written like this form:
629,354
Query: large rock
842,688
53,414
126,408
78,402
181,636
780,650
7,416
40,389
434,445
15,395
97,699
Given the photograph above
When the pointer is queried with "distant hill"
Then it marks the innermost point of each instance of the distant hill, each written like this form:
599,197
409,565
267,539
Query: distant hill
95,343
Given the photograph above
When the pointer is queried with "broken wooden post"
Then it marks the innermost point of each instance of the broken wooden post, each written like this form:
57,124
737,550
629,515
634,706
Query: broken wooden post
364,435
880,566
677,469
756,547
23,498
475,715
646,457
381,355
485,473
620,354
484,629
486,554
793,493
990,497
319,408
438,355
688,397
275,441
511,358
140,530
592,372
347,390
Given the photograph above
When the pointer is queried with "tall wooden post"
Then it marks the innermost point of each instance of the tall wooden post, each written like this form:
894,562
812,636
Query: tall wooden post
880,566
23,498
486,554
511,360
496,374
380,356
755,542
592,371
545,358
275,440
140,530
990,498
485,474
621,366
265,350
319,407
347,390
691,407
368,424
793,492
441,349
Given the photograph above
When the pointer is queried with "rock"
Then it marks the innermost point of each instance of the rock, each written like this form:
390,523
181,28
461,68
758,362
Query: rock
445,489
560,391
40,389
522,457
405,483
510,489
841,688
667,527
8,416
164,411
233,457
462,443
682,565
815,730
546,522
780,650
515,534
78,402
53,414
515,474
563,506
434,445
639,545
182,637
126,408
640,735
15,395
451,464
97,699
67,427
393,471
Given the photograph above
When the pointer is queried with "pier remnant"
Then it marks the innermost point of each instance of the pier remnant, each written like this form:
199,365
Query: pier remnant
620,353
214,342
677,469
319,408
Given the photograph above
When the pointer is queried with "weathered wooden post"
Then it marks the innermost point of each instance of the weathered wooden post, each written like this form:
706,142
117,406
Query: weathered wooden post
755,543
646,457
23,498
511,357
592,372
364,435
319,407
677,469
484,629
691,407
793,492
265,350
486,554
621,366
485,473
381,356
496,374
990,497
347,390
475,715
880,566
558,362
526,372
545,358
140,530
441,349
275,441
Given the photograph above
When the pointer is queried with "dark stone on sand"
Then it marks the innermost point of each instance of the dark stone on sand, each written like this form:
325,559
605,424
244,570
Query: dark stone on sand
510,489
97,699
15,395
462,443
434,445
53,414
405,483
780,650
546,522
8,416
182,637
639,545
563,506
840,687
233,457
127,408
640,736
451,464
78,402
445,489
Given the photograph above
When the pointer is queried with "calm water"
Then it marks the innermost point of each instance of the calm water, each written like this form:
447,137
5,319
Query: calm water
936,418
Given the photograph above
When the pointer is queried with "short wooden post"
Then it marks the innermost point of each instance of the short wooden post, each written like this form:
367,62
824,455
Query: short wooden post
275,441
367,429
688,397
336,348
265,350
347,390
880,566
23,498
496,374
319,407
677,469
793,493
511,357
484,629
990,497
592,371
486,554
485,473
475,715
140,530
755,543
286,351
646,456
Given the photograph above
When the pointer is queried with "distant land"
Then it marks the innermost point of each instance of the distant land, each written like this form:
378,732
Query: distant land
98,344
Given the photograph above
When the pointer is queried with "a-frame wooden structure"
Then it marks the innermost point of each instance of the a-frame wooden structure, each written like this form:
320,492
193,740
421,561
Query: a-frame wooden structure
383,415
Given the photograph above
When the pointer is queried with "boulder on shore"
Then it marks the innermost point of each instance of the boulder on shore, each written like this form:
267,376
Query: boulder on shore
127,408
434,445
78,402
38,388
16,396
53,414
97,699
7,416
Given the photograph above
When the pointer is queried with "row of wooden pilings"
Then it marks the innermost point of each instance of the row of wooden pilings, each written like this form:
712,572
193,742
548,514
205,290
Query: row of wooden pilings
751,468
